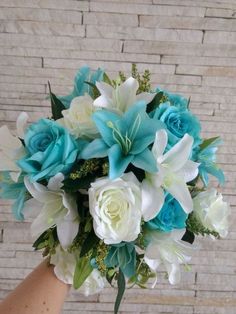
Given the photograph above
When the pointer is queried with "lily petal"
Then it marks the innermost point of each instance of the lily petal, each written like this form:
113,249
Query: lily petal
21,124
55,183
160,143
105,100
38,191
146,97
95,149
173,273
179,190
118,162
145,161
178,155
67,231
152,200
189,171
126,94
105,121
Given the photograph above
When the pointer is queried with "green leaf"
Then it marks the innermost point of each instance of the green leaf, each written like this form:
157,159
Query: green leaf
107,79
56,105
188,236
155,102
95,90
121,290
207,142
82,270
89,243
41,239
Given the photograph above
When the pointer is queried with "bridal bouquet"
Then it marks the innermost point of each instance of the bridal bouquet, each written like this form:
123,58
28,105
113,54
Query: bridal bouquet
115,182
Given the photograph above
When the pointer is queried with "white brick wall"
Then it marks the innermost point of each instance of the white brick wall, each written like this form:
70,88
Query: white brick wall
190,47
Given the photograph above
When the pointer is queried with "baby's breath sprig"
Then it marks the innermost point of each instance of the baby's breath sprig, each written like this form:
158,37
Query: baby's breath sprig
143,80
88,167
102,251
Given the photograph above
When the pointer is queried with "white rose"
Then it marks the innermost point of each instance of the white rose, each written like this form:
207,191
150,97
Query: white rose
116,208
212,211
64,270
77,119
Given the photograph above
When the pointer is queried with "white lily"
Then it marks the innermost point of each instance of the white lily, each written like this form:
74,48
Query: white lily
174,171
56,208
170,250
65,263
122,97
11,148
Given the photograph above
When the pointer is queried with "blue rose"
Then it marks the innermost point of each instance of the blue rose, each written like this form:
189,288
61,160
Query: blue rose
51,149
171,216
178,121
175,99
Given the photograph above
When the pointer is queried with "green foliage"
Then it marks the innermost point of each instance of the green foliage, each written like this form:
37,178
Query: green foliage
83,174
101,254
143,80
47,241
89,243
143,273
94,90
207,142
107,80
195,226
121,290
157,100
56,105
82,270
188,236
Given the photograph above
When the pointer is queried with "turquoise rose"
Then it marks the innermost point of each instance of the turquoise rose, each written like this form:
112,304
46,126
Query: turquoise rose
178,121
51,149
171,216
175,99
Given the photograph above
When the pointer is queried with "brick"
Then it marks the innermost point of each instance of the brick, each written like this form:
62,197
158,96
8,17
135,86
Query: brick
226,13
15,235
42,28
146,9
219,37
52,4
206,71
184,49
230,4
120,32
219,81
212,310
214,281
43,15
99,18
20,61
183,22
196,61
61,42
